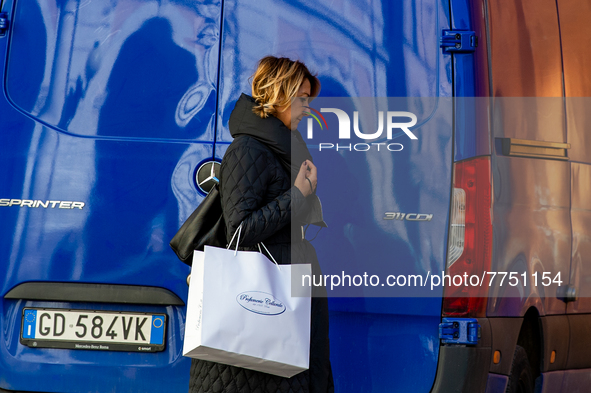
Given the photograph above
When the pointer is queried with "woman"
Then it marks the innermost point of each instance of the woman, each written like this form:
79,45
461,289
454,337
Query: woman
257,190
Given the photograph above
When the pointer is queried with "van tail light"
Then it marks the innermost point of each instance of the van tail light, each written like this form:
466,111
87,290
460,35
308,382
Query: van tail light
470,240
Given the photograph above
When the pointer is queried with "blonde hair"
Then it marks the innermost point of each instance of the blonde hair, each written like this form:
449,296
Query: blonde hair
276,81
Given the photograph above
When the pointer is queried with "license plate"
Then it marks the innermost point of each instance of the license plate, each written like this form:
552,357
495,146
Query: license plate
93,330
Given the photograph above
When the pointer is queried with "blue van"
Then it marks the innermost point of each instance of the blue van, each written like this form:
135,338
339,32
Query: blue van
114,114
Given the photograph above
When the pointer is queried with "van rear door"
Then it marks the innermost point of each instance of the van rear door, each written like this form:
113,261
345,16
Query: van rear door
108,113
373,49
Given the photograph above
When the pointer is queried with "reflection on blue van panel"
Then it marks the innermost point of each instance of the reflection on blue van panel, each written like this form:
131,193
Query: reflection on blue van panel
94,95
109,109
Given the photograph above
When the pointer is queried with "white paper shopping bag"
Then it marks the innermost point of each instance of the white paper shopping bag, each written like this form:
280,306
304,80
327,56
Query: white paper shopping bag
240,312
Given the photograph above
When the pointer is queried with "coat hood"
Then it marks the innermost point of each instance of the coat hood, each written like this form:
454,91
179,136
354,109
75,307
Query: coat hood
288,146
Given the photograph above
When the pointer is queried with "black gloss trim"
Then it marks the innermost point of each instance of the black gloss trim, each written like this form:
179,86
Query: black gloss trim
94,293
579,341
505,333
556,337
462,369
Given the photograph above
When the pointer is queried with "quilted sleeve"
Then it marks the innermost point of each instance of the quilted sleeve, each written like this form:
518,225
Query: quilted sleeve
246,175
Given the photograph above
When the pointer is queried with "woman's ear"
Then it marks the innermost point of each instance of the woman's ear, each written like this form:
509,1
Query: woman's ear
316,90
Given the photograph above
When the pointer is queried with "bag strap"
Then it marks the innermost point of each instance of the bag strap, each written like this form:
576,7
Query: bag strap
238,232
273,259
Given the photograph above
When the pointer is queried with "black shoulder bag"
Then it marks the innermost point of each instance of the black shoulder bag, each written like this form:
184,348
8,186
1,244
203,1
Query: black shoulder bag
204,227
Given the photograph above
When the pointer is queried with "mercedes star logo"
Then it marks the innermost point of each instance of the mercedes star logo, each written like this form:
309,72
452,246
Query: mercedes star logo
206,176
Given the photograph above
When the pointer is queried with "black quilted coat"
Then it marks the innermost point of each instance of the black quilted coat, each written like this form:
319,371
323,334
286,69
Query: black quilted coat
256,189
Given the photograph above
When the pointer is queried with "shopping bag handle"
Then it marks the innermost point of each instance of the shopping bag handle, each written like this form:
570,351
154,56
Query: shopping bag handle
273,259
239,231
